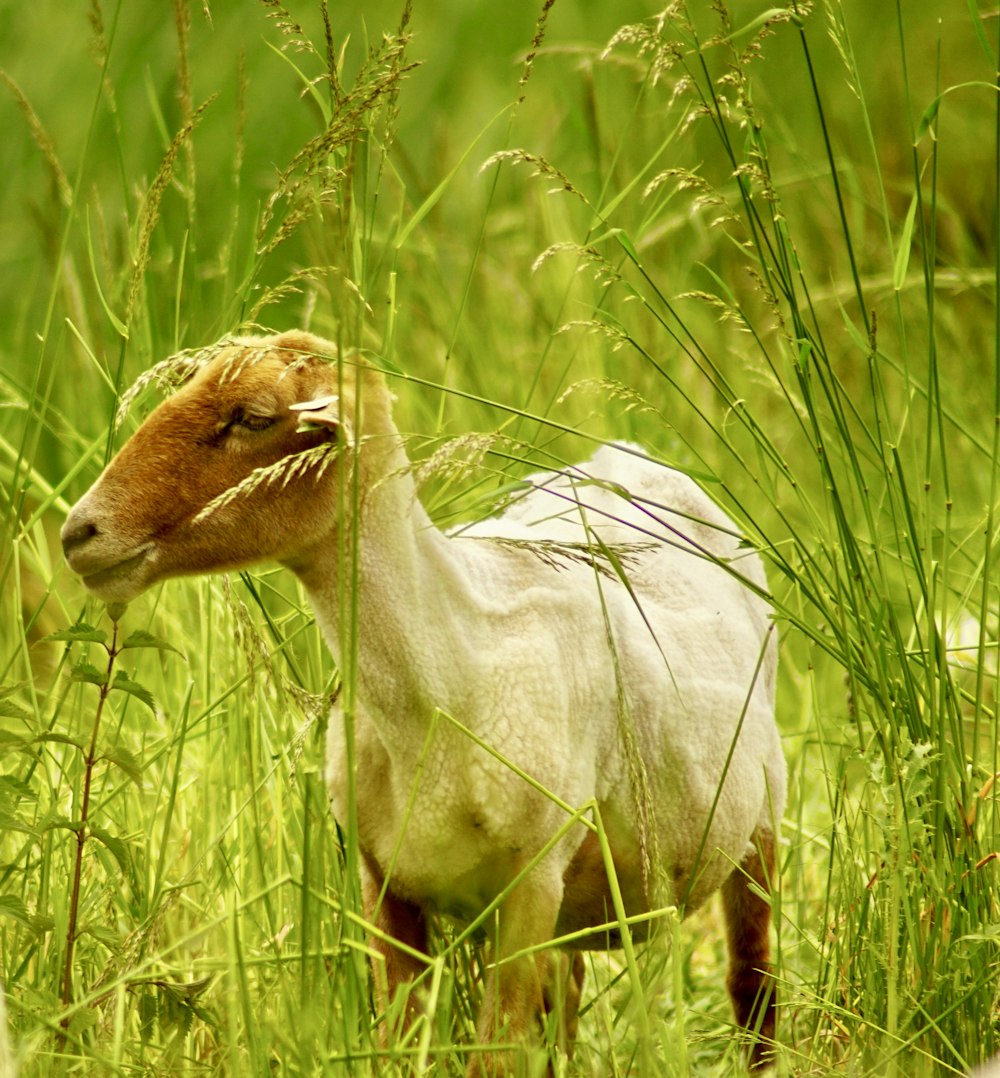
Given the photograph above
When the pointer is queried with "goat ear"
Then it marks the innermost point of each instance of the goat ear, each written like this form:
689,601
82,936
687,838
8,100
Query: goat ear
323,412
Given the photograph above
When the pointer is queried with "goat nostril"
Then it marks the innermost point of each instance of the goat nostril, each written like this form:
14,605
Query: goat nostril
74,535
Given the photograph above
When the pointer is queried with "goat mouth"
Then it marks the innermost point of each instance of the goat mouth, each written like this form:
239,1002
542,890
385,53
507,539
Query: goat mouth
122,580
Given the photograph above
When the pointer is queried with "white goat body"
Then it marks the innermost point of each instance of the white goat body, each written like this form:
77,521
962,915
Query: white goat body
553,667
606,637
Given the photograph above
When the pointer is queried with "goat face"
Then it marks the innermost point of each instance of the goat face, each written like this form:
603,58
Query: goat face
243,411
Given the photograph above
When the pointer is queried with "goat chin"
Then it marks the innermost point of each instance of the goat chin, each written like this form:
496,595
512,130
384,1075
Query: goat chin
120,582
607,640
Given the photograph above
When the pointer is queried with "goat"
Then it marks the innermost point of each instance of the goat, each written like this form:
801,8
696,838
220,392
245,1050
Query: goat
607,638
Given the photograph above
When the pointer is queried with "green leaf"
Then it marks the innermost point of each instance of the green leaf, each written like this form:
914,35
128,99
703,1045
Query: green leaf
187,991
123,683
118,847
148,1011
930,113
121,757
756,24
627,245
88,673
142,639
977,23
111,939
12,906
55,822
308,84
83,1020
9,821
80,633
175,1015
95,281
10,710
12,743
902,259
13,789
122,853
61,739
42,923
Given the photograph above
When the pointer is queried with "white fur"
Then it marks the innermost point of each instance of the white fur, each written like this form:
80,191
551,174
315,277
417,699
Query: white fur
521,653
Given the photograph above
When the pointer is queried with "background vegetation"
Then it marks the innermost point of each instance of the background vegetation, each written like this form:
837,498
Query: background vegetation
761,239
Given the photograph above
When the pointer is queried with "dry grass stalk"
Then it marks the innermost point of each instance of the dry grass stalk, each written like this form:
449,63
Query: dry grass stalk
149,213
559,555
287,25
536,43
282,472
317,175
42,140
169,374
541,168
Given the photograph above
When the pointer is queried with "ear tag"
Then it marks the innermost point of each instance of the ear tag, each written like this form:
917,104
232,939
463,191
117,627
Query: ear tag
317,414
316,405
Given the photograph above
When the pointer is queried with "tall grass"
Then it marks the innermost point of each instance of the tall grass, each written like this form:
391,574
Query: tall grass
762,241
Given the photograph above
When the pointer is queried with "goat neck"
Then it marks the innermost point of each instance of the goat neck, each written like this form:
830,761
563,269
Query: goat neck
388,588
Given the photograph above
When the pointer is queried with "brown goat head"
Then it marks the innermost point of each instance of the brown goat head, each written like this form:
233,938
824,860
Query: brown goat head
255,403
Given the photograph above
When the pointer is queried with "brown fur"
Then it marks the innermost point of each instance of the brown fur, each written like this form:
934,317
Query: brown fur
748,921
176,482
392,967
587,900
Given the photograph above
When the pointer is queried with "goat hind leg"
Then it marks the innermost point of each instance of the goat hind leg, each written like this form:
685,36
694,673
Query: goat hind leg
748,922
563,990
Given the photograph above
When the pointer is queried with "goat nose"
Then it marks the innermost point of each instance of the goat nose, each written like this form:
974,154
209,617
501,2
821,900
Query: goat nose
76,532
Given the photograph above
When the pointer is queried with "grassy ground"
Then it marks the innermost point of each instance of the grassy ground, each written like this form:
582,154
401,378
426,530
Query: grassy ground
761,240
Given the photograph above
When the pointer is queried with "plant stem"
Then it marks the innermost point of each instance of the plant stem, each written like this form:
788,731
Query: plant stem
81,831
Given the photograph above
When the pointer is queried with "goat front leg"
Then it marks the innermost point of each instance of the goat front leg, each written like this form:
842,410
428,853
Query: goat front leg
748,921
563,992
392,966
513,1006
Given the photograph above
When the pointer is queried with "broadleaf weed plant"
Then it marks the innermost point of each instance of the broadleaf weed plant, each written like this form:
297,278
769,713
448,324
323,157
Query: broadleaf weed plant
760,239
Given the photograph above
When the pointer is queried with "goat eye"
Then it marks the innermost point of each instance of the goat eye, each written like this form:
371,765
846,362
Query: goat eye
252,420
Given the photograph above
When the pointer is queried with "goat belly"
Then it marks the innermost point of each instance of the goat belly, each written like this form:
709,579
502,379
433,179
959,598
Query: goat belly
452,868
454,829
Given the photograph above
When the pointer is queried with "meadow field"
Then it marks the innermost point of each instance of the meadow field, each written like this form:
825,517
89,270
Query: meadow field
759,238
